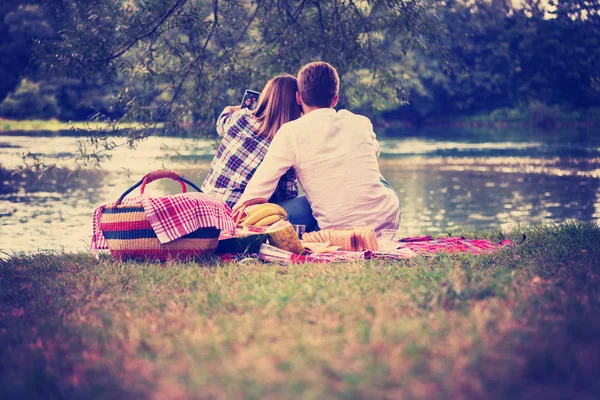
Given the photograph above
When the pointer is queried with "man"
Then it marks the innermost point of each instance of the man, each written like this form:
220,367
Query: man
334,154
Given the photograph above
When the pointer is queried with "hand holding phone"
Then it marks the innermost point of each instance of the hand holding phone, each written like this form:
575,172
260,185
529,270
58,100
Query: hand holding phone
250,99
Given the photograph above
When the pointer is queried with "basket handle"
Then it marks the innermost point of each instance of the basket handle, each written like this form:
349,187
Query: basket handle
160,174
155,175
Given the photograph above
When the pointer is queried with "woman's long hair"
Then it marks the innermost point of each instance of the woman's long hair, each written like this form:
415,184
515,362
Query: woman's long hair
277,105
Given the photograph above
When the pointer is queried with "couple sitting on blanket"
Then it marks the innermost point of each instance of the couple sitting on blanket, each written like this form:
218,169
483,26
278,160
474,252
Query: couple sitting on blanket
295,135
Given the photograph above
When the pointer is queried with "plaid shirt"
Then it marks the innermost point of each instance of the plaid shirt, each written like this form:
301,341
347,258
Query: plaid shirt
240,153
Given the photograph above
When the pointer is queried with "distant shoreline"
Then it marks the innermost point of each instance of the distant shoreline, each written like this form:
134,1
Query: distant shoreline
480,125
54,125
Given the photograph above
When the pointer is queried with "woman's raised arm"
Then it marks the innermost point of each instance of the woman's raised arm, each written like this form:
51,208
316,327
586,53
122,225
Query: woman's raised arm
223,122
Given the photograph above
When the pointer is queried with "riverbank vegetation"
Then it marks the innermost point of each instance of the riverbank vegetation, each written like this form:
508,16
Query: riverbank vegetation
64,127
520,323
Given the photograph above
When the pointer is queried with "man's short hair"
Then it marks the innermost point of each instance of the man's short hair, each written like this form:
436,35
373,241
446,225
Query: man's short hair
318,84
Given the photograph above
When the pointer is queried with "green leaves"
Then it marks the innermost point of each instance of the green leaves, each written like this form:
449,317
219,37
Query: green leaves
177,61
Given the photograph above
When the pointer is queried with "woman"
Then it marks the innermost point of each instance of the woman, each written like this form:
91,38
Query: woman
246,137
249,103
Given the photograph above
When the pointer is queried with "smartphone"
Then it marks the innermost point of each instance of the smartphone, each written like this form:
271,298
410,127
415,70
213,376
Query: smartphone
250,99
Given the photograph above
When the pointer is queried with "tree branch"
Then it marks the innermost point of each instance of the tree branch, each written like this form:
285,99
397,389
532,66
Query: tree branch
320,17
278,36
323,31
132,42
365,30
169,105
248,24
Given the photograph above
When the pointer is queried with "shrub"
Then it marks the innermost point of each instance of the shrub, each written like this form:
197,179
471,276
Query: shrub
28,102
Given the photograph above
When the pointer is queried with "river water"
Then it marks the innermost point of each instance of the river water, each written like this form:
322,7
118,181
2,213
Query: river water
444,186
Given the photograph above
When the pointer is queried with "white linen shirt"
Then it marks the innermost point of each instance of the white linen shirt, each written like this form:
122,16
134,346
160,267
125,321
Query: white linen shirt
335,155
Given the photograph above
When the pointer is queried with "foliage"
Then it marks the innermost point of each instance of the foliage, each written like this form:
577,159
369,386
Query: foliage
521,323
20,23
29,101
513,57
178,61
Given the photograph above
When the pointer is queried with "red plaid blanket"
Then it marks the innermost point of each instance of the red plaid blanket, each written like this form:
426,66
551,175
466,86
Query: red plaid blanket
403,249
429,245
172,217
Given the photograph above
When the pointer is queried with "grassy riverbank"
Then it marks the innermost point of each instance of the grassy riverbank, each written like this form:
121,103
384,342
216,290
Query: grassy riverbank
536,122
520,323
53,125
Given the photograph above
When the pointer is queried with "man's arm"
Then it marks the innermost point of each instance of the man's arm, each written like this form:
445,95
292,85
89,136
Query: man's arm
370,133
376,145
373,136
280,157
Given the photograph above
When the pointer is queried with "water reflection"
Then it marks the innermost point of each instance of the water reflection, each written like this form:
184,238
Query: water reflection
437,200
443,186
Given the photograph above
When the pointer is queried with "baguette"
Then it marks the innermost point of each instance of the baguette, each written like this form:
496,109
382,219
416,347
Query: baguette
353,239
322,238
357,235
310,237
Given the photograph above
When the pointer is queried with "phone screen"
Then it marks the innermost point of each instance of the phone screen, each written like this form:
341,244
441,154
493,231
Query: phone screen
250,99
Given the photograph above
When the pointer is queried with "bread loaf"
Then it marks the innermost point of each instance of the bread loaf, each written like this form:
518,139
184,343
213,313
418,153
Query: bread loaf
283,236
351,239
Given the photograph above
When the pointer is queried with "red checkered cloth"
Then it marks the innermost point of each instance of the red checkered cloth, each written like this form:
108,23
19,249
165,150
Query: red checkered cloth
413,246
429,245
405,248
172,217
273,254
340,256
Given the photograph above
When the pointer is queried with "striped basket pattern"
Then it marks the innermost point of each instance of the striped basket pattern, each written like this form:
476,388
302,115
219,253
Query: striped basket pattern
129,235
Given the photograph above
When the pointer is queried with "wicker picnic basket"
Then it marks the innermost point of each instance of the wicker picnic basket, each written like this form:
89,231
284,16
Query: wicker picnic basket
129,234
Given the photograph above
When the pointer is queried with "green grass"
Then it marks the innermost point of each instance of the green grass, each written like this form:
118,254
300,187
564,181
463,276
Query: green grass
54,125
520,323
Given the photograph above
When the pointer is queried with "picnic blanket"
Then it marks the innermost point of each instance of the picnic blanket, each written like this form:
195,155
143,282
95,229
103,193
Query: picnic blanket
402,249
429,245
172,217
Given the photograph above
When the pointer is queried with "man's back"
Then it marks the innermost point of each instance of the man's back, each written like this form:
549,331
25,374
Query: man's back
335,157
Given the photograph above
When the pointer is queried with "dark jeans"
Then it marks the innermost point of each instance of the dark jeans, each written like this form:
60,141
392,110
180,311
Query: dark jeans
300,213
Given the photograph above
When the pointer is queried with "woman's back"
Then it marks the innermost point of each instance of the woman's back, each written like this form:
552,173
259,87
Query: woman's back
239,154
246,138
